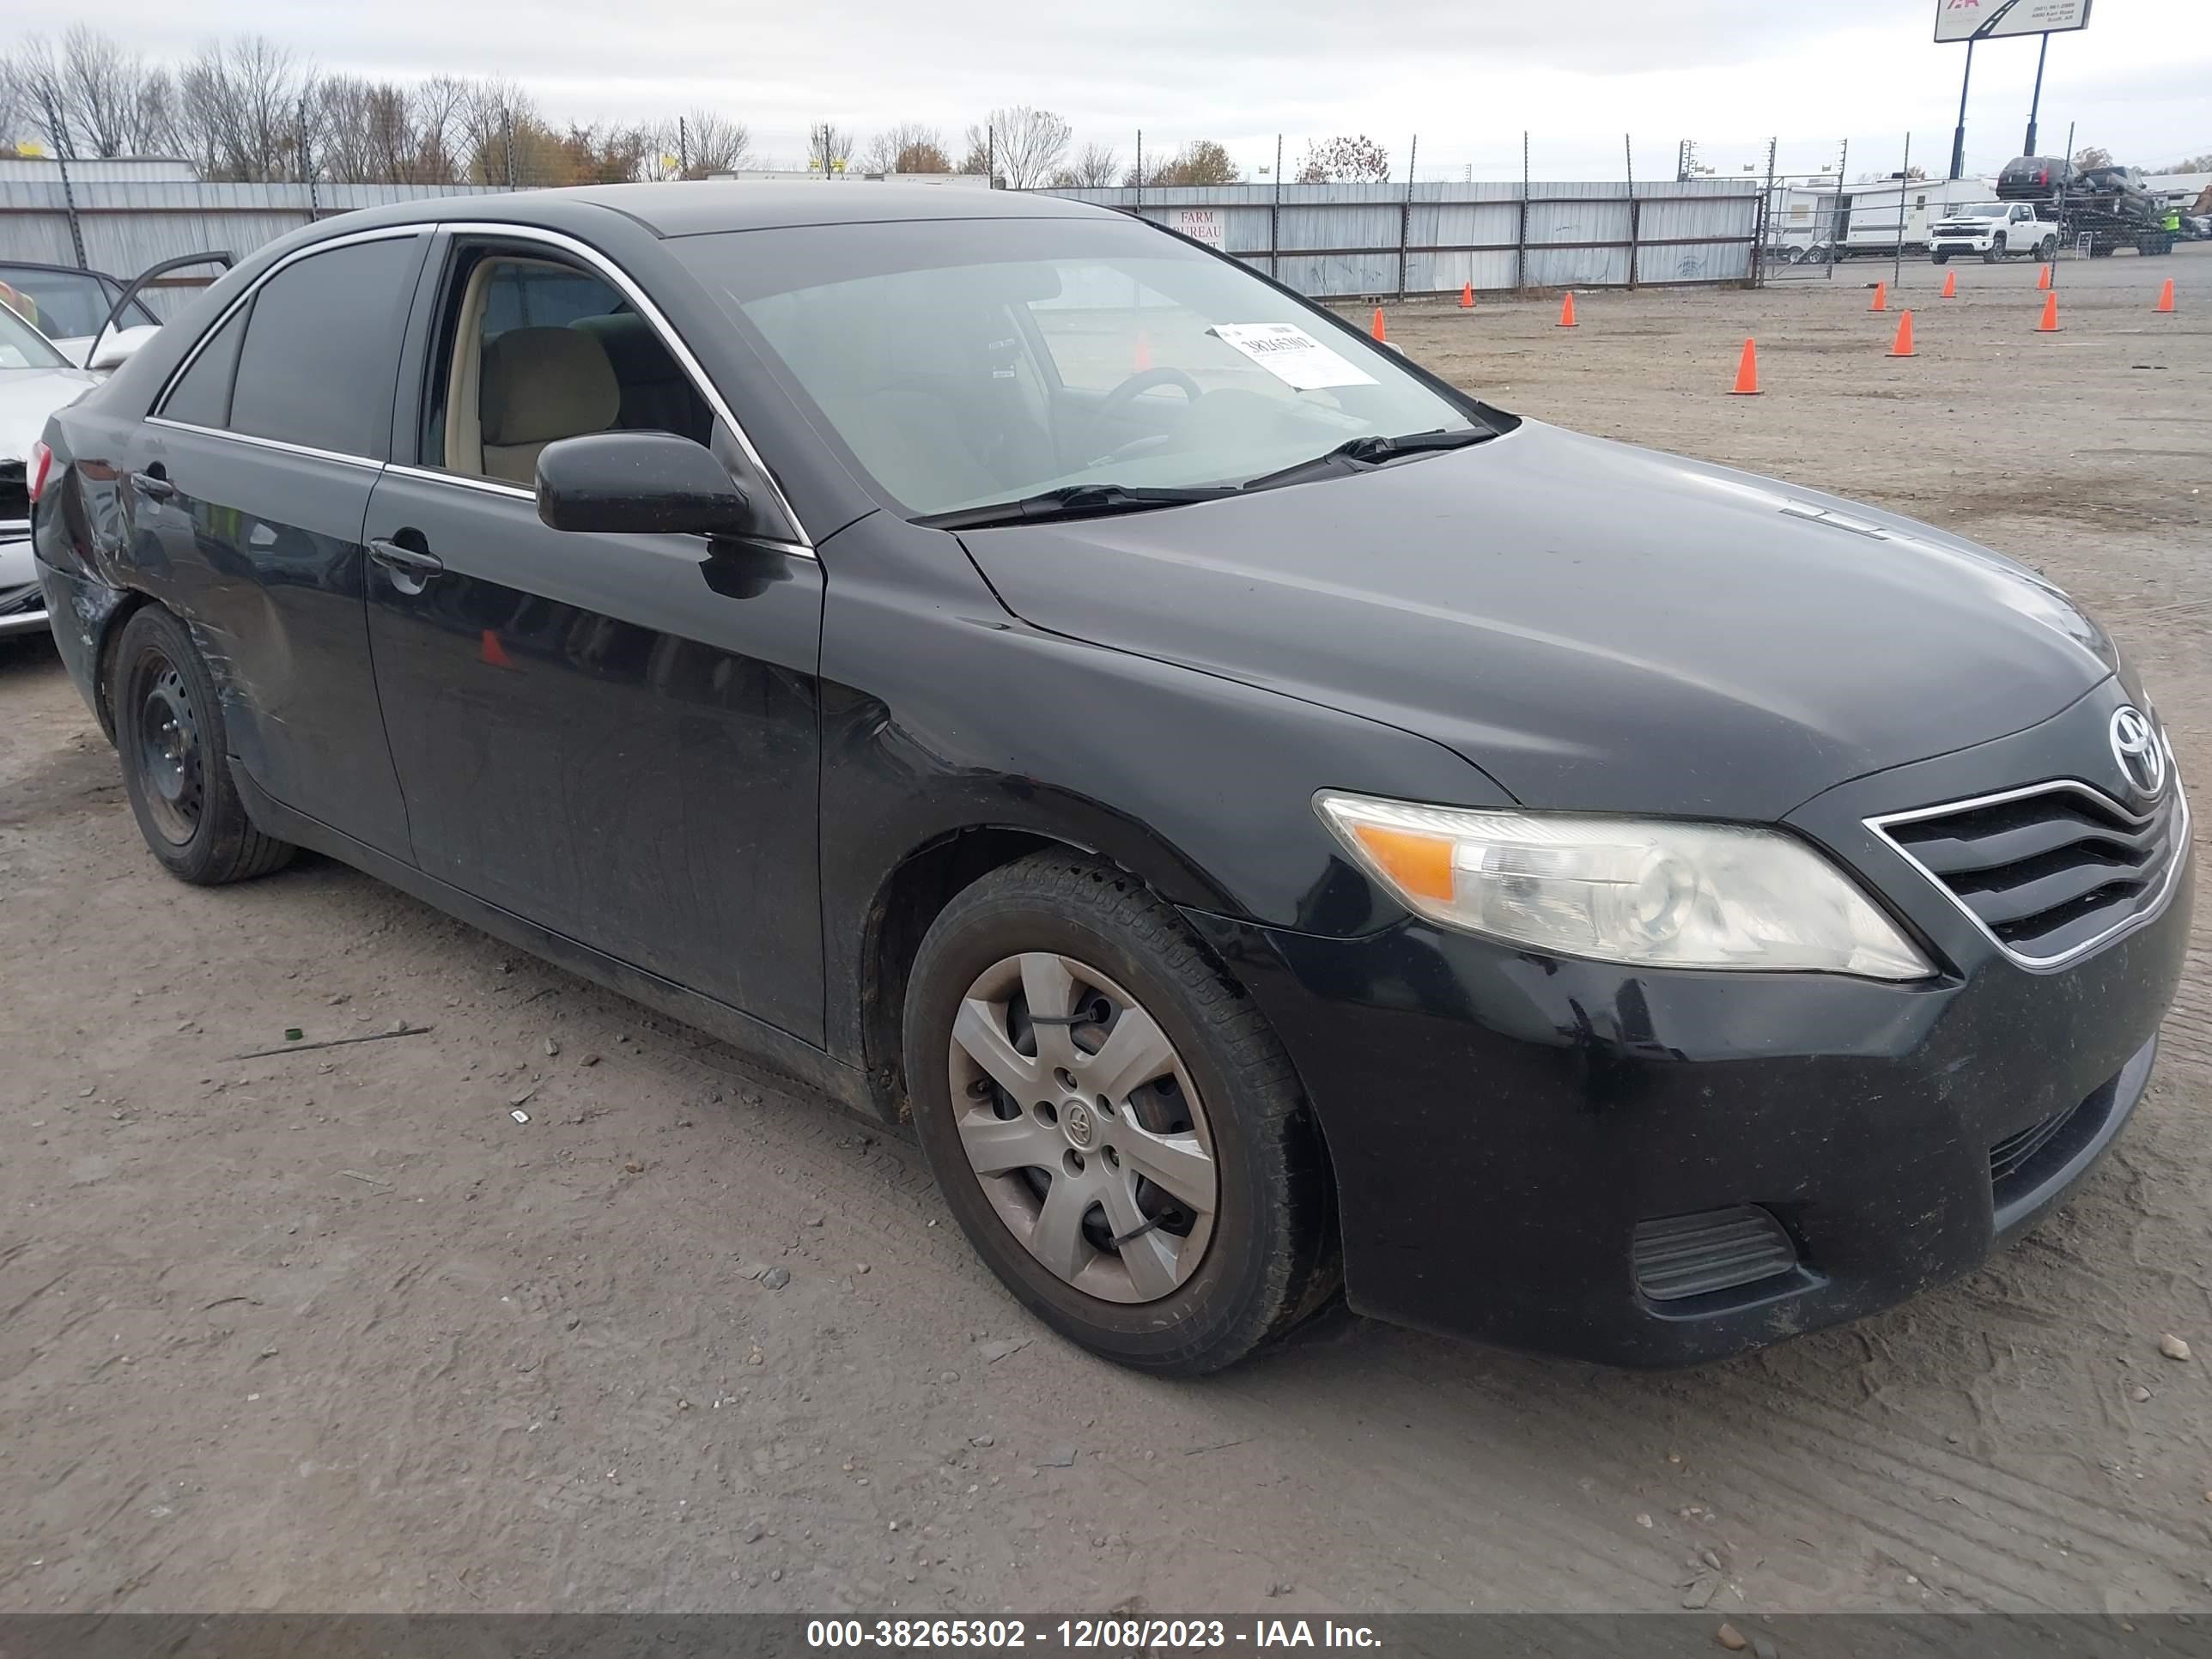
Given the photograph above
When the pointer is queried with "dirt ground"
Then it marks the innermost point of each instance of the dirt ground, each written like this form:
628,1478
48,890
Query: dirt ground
330,1330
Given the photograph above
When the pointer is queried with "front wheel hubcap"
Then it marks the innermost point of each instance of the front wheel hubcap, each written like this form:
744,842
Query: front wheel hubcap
1084,1128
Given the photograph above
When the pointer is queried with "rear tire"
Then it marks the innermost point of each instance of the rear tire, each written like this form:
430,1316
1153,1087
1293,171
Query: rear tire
176,758
1217,1110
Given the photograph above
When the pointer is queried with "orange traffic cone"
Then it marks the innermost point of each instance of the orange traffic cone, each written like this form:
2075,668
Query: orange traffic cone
1467,297
1902,346
1880,297
2165,297
1377,329
1567,310
1950,284
2043,278
492,651
1747,372
2049,323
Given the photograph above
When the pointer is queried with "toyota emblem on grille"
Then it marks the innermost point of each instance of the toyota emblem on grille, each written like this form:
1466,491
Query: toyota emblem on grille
2136,747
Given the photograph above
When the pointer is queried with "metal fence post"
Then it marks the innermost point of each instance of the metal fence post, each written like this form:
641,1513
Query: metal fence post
1406,213
1763,219
69,192
1275,216
1521,236
1635,214
1903,185
1836,216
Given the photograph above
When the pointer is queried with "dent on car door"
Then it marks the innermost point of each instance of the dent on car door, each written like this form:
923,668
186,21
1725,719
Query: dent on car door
246,493
612,736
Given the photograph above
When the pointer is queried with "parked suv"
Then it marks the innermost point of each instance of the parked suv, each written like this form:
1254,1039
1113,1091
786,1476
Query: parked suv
1270,820
2035,179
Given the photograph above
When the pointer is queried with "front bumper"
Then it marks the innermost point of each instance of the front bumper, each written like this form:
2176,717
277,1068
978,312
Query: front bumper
22,605
1501,1122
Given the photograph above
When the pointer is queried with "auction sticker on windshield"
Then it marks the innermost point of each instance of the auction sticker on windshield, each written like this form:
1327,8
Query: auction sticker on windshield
1292,355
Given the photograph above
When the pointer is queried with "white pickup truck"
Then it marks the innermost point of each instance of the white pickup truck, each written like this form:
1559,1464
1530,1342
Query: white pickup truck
1992,229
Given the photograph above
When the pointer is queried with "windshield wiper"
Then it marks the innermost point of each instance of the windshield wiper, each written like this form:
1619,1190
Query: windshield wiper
1371,451
1074,501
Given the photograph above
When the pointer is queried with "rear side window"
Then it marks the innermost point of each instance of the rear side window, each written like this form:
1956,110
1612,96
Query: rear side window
321,350
202,398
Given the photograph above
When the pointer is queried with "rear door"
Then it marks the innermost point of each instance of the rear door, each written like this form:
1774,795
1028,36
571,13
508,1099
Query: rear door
247,487
613,736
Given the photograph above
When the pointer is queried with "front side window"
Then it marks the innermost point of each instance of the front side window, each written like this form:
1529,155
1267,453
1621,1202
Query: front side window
532,350
67,305
971,361
321,352
22,346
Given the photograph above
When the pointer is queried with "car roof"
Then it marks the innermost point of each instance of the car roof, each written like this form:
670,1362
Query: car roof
700,207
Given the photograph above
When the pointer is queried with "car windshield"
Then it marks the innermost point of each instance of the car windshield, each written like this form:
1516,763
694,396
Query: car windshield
67,305
22,346
1981,210
972,362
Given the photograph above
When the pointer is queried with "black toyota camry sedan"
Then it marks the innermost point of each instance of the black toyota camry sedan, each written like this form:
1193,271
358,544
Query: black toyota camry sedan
1276,825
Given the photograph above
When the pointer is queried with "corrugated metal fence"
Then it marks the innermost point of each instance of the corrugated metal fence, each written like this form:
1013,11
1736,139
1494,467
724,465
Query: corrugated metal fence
1344,240
130,225
1339,240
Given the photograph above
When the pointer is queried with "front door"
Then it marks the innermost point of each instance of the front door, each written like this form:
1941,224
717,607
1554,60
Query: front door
605,734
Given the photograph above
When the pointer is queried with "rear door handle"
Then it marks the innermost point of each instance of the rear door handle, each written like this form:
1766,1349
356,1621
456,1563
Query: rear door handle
411,568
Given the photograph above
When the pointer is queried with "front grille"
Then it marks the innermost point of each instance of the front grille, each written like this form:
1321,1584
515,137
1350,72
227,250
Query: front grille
2049,872
1687,1255
2018,1150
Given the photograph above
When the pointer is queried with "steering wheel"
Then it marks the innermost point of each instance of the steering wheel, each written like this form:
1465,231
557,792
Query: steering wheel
1134,388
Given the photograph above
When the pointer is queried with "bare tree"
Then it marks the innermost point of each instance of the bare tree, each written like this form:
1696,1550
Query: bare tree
1360,160
909,147
1025,144
239,103
487,124
829,147
713,142
1096,166
2186,164
2096,156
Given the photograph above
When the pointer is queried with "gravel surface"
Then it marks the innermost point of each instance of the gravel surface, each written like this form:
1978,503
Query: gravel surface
334,1330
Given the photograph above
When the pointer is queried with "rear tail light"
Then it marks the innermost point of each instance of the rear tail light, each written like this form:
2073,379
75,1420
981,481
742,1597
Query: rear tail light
35,475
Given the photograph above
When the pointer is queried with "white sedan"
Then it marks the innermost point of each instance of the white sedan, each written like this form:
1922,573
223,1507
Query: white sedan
35,380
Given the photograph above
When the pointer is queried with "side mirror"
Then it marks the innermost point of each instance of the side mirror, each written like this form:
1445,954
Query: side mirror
112,350
638,483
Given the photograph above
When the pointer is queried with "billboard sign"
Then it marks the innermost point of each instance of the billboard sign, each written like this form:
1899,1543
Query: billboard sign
1994,20
1200,225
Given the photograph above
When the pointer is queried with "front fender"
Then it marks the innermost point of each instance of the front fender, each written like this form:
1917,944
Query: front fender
942,713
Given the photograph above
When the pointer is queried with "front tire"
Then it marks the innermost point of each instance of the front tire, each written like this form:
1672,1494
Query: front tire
1995,251
2048,251
1112,1122
1939,259
176,758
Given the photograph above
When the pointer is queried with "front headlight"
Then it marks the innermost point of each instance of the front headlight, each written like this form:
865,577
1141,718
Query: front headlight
1625,890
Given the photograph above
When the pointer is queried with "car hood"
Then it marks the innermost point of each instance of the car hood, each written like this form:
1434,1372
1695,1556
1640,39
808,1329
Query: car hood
1596,626
27,396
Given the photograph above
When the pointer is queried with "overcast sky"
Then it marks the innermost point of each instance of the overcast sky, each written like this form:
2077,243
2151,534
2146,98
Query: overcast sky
1467,75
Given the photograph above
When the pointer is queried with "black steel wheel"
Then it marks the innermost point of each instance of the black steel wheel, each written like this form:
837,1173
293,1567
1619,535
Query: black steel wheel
176,764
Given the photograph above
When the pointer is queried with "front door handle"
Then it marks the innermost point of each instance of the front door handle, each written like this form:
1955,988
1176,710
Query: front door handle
411,568
153,483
